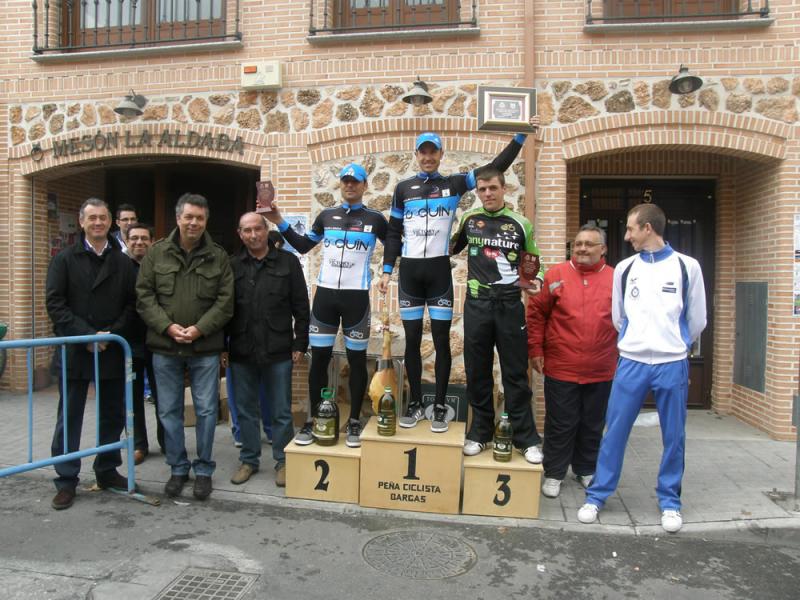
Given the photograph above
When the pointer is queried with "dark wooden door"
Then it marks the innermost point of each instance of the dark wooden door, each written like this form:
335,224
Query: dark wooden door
690,209
155,189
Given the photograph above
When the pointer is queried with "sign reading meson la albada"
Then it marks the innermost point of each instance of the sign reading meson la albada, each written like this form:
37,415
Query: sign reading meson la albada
102,141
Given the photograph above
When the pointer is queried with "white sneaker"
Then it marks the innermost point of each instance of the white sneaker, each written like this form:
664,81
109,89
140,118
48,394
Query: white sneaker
588,513
551,487
585,480
671,521
472,448
533,454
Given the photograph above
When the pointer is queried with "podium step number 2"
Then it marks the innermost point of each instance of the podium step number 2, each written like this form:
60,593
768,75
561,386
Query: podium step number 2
327,473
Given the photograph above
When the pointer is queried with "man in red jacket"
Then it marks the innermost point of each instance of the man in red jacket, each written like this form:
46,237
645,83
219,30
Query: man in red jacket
572,340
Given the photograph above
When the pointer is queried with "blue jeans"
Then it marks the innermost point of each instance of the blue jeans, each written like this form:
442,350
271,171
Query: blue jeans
266,416
204,380
276,380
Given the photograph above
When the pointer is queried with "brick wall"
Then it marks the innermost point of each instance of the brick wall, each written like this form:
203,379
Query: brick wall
741,130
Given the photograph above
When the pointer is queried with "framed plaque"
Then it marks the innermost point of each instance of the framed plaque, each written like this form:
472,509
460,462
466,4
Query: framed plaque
506,108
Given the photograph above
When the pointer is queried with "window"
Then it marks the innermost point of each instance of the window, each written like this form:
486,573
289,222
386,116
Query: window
649,10
105,23
378,14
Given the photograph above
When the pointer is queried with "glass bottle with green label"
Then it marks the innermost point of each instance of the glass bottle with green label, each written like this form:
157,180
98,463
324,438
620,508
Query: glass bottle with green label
387,415
502,439
326,421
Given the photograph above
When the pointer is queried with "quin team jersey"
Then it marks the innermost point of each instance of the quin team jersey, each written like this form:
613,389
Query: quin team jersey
424,208
348,235
427,206
495,242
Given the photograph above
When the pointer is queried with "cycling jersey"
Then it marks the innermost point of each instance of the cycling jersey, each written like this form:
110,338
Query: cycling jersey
348,234
424,207
495,240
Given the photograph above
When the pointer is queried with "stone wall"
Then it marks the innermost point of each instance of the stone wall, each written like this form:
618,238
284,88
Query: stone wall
565,102
560,102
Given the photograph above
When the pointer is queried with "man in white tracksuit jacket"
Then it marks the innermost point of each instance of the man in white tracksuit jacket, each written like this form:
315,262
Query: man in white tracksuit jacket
659,309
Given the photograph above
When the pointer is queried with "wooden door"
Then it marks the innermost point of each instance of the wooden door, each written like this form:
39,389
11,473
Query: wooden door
690,209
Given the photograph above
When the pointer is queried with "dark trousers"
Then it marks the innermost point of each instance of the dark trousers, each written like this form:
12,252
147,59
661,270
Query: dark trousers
140,366
112,423
573,426
489,323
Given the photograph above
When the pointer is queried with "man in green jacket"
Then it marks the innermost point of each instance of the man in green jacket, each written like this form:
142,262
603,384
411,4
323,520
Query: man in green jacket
185,296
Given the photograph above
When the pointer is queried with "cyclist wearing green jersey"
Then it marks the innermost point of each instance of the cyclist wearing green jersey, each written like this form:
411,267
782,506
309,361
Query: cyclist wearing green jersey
496,236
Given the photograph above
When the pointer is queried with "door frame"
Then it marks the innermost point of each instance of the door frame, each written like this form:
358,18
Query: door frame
685,200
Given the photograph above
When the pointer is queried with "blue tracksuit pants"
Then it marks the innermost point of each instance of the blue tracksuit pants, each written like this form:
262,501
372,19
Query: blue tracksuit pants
669,383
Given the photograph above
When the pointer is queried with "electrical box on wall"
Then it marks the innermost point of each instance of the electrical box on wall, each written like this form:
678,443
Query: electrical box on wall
261,75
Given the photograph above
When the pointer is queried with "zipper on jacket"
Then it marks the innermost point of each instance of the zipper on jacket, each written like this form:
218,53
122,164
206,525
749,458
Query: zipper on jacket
341,259
425,245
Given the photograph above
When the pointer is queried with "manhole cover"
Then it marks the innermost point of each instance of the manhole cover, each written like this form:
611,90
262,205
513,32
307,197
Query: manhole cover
207,584
419,555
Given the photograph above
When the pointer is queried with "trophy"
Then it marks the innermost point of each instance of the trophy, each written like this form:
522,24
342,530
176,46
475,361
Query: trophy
264,196
528,269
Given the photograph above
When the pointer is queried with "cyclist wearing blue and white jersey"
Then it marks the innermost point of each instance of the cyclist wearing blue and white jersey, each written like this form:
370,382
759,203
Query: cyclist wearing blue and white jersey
421,219
348,234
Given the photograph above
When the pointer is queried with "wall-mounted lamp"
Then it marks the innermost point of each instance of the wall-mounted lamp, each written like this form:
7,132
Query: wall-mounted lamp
131,106
418,94
684,82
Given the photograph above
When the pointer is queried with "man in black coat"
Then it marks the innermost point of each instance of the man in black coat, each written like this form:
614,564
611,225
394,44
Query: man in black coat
271,293
91,290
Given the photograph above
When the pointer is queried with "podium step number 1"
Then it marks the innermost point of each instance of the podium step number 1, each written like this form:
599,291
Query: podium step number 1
415,469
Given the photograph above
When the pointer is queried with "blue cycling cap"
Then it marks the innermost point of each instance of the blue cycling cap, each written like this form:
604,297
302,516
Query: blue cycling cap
355,171
429,138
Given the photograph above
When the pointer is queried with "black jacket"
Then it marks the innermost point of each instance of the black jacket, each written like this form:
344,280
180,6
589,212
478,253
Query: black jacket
268,293
79,303
137,332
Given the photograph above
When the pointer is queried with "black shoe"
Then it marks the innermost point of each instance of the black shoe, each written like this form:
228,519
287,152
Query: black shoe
305,436
63,499
175,485
111,479
353,439
202,487
439,421
414,414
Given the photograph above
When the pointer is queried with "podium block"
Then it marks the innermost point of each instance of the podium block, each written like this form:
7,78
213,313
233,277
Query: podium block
319,472
509,489
415,469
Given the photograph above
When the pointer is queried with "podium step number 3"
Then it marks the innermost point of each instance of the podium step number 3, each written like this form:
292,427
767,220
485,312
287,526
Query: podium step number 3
509,489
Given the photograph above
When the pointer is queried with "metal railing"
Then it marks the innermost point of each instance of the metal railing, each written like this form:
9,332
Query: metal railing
125,443
352,16
80,25
657,11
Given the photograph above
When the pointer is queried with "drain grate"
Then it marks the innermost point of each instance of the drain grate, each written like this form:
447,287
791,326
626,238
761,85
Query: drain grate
195,583
419,555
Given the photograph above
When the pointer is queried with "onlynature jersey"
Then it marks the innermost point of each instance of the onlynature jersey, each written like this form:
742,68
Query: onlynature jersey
424,208
348,234
494,242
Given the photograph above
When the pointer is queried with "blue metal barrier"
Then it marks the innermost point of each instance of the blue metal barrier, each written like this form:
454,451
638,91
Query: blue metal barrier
125,443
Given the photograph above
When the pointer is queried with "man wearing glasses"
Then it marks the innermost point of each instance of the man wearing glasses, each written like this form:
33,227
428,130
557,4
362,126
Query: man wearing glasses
572,340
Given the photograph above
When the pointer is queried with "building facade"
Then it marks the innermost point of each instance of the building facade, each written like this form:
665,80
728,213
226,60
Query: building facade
723,161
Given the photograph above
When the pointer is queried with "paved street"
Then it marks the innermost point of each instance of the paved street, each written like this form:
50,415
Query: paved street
109,547
737,543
